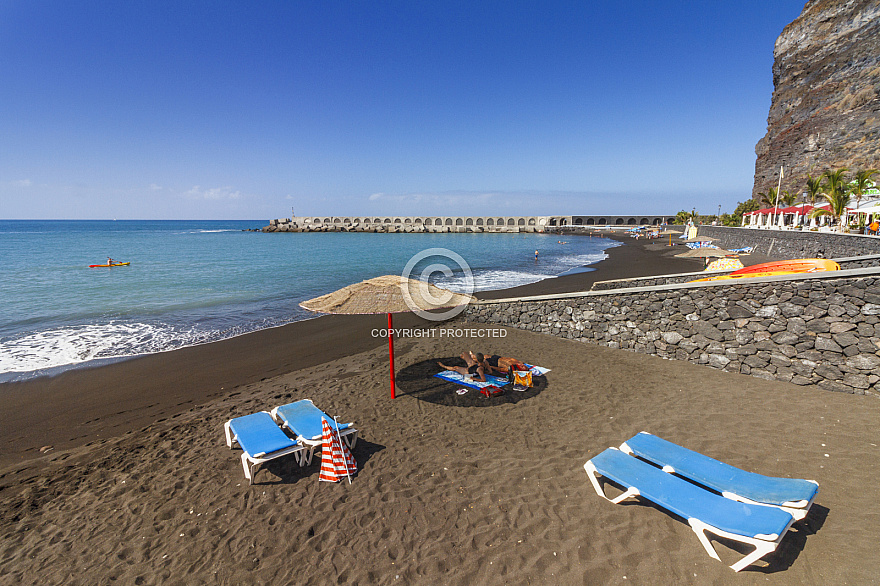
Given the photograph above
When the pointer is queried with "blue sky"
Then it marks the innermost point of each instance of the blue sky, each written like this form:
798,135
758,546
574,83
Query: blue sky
223,110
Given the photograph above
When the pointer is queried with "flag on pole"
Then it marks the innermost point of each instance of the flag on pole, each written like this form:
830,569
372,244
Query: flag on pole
336,459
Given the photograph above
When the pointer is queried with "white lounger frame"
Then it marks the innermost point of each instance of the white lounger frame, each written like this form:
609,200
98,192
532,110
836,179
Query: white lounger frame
763,544
251,462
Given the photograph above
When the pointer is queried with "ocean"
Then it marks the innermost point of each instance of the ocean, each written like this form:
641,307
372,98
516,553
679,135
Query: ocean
192,282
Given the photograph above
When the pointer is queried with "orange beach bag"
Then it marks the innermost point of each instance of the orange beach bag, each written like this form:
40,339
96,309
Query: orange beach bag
523,378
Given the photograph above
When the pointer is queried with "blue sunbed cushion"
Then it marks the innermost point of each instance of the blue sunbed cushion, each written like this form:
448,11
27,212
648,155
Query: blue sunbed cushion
688,500
258,434
720,476
304,419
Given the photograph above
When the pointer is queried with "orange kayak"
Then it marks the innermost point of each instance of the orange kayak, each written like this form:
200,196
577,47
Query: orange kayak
116,264
797,265
747,276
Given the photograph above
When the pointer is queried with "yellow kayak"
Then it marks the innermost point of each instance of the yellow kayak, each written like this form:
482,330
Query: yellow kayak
116,264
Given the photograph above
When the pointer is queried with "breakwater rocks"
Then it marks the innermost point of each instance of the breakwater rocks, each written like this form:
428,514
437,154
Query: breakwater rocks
825,109
804,330
278,226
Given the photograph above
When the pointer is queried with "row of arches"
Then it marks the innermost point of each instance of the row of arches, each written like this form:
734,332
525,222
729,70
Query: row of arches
600,221
433,221
507,221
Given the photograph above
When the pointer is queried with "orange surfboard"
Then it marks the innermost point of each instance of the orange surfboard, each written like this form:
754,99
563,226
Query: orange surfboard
747,276
797,265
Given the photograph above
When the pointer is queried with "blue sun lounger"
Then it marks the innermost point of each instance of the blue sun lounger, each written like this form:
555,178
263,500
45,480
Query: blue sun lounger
757,525
262,440
303,420
792,494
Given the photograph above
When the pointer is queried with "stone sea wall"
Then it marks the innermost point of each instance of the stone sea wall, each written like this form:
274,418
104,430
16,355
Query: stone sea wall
853,262
807,330
793,243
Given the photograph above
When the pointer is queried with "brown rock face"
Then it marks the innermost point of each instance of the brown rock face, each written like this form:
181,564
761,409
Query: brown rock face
825,112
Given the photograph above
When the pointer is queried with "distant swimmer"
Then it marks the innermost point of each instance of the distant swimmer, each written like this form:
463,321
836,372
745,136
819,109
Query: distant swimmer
536,255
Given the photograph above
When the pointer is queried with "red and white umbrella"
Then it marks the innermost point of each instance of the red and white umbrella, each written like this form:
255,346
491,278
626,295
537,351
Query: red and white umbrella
336,459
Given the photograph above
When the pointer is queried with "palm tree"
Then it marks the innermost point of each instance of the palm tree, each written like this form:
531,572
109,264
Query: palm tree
863,177
768,199
788,199
837,195
814,188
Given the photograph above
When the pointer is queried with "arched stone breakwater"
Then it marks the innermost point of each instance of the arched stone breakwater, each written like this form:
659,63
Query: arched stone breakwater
819,329
454,223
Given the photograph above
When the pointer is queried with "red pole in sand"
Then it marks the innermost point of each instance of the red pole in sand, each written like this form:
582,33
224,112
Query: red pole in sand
391,352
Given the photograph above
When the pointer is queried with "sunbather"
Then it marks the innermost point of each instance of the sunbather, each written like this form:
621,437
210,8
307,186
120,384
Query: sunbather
477,366
500,364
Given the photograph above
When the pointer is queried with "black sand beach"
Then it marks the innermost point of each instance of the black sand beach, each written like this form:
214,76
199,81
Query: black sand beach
92,404
140,488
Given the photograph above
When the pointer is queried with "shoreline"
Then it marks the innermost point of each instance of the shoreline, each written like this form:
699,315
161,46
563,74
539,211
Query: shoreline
93,403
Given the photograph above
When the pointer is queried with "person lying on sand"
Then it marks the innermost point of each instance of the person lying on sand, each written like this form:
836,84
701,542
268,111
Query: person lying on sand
477,366
500,364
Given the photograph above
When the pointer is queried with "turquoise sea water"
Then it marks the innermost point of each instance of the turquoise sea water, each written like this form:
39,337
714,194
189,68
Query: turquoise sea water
192,282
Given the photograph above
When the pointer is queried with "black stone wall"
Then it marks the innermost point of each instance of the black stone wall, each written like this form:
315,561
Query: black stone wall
785,244
807,331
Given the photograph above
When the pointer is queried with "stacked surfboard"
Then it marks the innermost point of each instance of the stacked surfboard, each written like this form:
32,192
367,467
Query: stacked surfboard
776,268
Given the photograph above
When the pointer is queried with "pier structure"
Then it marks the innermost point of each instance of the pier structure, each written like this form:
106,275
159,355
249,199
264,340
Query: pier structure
456,223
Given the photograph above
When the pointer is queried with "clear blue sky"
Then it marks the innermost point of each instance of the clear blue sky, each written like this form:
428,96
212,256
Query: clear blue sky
221,110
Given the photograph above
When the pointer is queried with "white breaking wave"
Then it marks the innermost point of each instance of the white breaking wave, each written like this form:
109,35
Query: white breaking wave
75,344
488,280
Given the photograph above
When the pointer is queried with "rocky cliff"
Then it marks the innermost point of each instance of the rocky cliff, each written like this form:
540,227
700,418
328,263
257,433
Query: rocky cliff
825,112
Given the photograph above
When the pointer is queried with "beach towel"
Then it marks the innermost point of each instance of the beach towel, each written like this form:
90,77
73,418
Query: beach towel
537,370
455,377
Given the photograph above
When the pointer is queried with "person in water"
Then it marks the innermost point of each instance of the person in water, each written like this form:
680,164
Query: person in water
477,367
